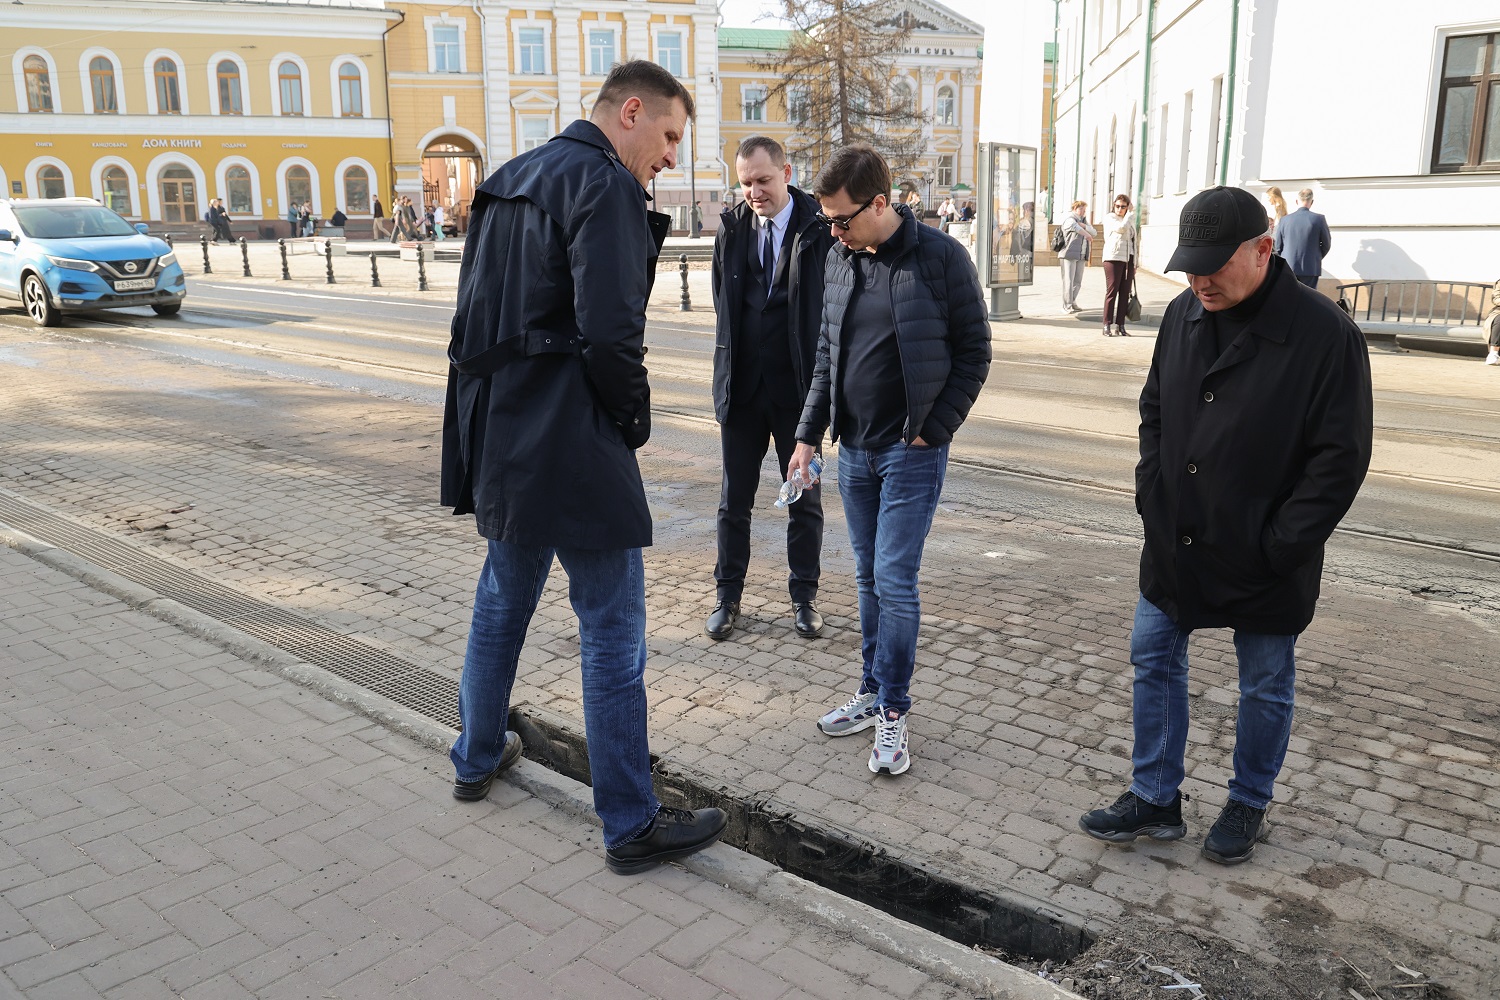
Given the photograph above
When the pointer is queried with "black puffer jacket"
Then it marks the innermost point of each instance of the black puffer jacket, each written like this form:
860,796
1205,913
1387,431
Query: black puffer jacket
942,331
547,391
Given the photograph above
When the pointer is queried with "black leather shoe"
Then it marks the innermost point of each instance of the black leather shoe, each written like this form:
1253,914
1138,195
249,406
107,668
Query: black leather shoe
1235,833
721,623
675,833
809,622
473,791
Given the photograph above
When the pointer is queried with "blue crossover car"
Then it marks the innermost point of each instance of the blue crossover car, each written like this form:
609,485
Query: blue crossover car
62,255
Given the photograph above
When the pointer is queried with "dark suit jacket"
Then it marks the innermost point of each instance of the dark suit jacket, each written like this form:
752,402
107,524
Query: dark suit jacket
1302,238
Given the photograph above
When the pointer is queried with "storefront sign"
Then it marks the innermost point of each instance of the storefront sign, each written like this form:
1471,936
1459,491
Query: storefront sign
171,143
294,145
44,144
109,145
234,145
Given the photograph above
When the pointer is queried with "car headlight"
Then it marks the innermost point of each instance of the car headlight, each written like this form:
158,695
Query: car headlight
165,259
73,264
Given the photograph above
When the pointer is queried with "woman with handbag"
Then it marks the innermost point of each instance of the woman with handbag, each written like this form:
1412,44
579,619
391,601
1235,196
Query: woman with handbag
1119,265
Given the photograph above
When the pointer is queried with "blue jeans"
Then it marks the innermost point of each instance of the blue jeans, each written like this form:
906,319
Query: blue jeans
1268,670
607,588
890,495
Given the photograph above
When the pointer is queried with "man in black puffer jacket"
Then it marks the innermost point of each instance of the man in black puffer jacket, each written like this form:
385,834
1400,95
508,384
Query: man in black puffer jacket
903,351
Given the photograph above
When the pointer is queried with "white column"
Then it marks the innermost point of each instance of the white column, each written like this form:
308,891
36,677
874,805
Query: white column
703,63
567,45
497,117
969,136
637,41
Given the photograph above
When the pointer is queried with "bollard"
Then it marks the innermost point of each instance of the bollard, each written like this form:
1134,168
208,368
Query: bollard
374,271
687,303
328,257
207,267
286,275
421,271
245,256
168,238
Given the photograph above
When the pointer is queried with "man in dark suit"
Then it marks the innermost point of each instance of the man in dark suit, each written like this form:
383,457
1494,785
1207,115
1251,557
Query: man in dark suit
768,292
1302,238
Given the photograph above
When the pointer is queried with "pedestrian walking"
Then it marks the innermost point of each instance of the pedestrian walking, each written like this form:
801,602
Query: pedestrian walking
1256,426
903,350
377,210
1303,239
218,219
1493,358
1120,246
768,296
307,219
439,218
409,223
697,219
547,402
1074,256
1277,202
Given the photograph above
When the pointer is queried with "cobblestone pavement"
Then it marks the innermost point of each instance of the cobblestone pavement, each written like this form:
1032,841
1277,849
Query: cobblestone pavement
1387,824
176,822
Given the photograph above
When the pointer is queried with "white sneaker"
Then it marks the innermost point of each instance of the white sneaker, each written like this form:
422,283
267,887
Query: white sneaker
1494,358
856,714
890,753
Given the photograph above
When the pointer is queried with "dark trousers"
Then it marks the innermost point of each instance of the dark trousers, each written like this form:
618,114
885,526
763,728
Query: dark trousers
1119,278
1310,280
1494,338
743,439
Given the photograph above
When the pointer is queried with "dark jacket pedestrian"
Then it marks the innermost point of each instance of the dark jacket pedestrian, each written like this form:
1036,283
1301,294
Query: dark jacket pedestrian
1256,432
768,296
1302,238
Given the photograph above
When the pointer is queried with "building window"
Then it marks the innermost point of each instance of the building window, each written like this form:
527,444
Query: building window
289,79
1184,156
1160,166
753,100
298,186
241,193
901,97
356,190
945,171
535,132
168,90
231,97
601,51
1468,119
102,85
797,105
533,43
447,54
351,91
946,106
49,180
669,51
179,194
116,184
38,84
1215,117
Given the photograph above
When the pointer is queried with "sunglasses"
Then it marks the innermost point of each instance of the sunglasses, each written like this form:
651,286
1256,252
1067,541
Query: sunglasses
843,224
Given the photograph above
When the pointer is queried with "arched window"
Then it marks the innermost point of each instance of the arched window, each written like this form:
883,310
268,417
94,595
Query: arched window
946,106
298,186
289,79
168,91
231,101
901,97
38,84
351,91
117,190
356,191
241,193
102,83
50,180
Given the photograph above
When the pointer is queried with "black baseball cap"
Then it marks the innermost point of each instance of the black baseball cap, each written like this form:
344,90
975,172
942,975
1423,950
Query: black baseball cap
1212,226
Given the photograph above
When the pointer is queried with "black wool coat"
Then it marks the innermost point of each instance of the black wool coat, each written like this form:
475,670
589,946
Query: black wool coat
547,391
803,260
1249,460
942,332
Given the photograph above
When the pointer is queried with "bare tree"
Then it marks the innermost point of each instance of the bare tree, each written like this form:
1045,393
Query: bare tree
836,80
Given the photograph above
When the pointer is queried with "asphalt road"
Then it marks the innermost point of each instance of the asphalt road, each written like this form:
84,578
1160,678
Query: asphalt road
1053,435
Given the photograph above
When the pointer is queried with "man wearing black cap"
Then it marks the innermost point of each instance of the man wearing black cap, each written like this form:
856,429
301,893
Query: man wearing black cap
1256,425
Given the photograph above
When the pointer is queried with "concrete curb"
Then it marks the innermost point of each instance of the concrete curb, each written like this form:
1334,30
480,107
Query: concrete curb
933,954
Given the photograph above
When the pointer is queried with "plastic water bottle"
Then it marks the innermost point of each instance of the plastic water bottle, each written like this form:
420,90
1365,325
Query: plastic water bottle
791,490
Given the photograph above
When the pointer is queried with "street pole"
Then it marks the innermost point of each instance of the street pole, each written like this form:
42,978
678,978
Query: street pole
1234,44
1140,174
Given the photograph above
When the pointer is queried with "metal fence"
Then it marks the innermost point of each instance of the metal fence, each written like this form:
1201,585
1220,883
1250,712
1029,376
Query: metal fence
1434,303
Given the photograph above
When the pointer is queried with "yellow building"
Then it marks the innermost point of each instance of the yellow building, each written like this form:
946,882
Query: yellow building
939,69
155,108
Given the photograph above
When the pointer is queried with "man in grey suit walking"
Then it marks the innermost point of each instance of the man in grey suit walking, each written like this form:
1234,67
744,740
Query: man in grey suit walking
1302,239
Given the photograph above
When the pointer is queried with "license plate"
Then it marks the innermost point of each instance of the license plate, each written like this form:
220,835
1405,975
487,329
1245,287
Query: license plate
134,284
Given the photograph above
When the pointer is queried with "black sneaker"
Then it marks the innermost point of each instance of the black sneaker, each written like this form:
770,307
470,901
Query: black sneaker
675,833
1235,833
473,791
1131,816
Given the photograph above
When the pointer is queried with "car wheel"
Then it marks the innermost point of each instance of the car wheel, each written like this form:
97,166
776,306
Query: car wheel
38,303
170,309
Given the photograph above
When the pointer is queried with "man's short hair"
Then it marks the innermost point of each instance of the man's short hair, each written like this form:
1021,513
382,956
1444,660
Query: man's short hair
645,80
857,170
773,149
1305,195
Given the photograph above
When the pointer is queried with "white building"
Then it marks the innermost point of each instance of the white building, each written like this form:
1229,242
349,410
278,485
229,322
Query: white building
1388,110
